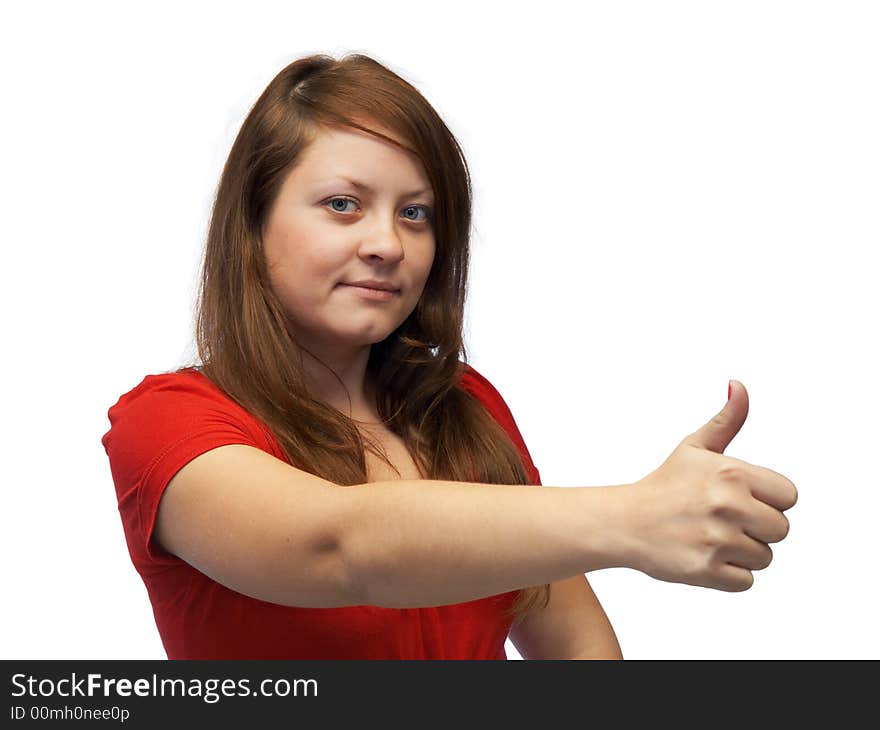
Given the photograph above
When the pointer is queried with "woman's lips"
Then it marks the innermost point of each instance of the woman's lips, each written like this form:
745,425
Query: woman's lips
377,295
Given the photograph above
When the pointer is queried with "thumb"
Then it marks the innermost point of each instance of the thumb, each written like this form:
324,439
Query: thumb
719,432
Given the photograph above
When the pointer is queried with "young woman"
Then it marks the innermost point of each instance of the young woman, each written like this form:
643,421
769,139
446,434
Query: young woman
334,480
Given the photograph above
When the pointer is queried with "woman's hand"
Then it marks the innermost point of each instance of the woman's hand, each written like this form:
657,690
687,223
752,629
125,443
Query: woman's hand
705,519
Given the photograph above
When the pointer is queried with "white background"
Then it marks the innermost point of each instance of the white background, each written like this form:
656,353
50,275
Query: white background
667,195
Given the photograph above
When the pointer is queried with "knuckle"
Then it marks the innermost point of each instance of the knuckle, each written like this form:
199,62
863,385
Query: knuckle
723,500
717,537
784,529
787,488
794,494
768,558
711,537
718,420
696,568
739,583
731,471
732,480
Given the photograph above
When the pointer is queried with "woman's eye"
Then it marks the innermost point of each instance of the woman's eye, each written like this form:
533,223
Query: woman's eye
416,208
339,200
338,205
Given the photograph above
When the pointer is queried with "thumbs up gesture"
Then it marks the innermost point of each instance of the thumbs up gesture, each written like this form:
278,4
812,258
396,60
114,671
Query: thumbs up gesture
706,519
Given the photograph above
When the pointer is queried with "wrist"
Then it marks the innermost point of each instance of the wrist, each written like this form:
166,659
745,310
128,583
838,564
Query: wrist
613,531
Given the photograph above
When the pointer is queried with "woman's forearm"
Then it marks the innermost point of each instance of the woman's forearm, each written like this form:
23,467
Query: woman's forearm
415,543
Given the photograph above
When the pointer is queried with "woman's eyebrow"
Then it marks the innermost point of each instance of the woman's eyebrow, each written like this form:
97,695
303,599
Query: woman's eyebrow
363,186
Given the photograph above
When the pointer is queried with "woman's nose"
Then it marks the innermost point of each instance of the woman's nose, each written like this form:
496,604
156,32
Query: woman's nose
383,240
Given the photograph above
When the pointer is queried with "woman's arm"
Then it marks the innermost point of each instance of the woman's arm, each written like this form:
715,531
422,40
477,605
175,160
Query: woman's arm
274,532
415,543
573,625
277,533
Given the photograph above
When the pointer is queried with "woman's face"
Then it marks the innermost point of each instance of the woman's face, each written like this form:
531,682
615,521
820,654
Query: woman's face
323,233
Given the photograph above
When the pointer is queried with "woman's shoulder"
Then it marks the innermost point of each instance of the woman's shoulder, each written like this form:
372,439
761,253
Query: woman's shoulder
178,412
179,381
190,374
480,387
477,384
173,401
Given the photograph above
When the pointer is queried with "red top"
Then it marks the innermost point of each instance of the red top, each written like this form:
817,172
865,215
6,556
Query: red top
169,419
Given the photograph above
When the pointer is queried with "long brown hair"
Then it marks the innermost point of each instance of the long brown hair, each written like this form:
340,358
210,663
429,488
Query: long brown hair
242,334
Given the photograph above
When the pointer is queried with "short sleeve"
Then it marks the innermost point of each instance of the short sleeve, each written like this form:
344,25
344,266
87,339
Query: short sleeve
480,387
155,429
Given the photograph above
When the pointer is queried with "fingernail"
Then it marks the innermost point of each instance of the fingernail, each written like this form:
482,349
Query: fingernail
729,384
